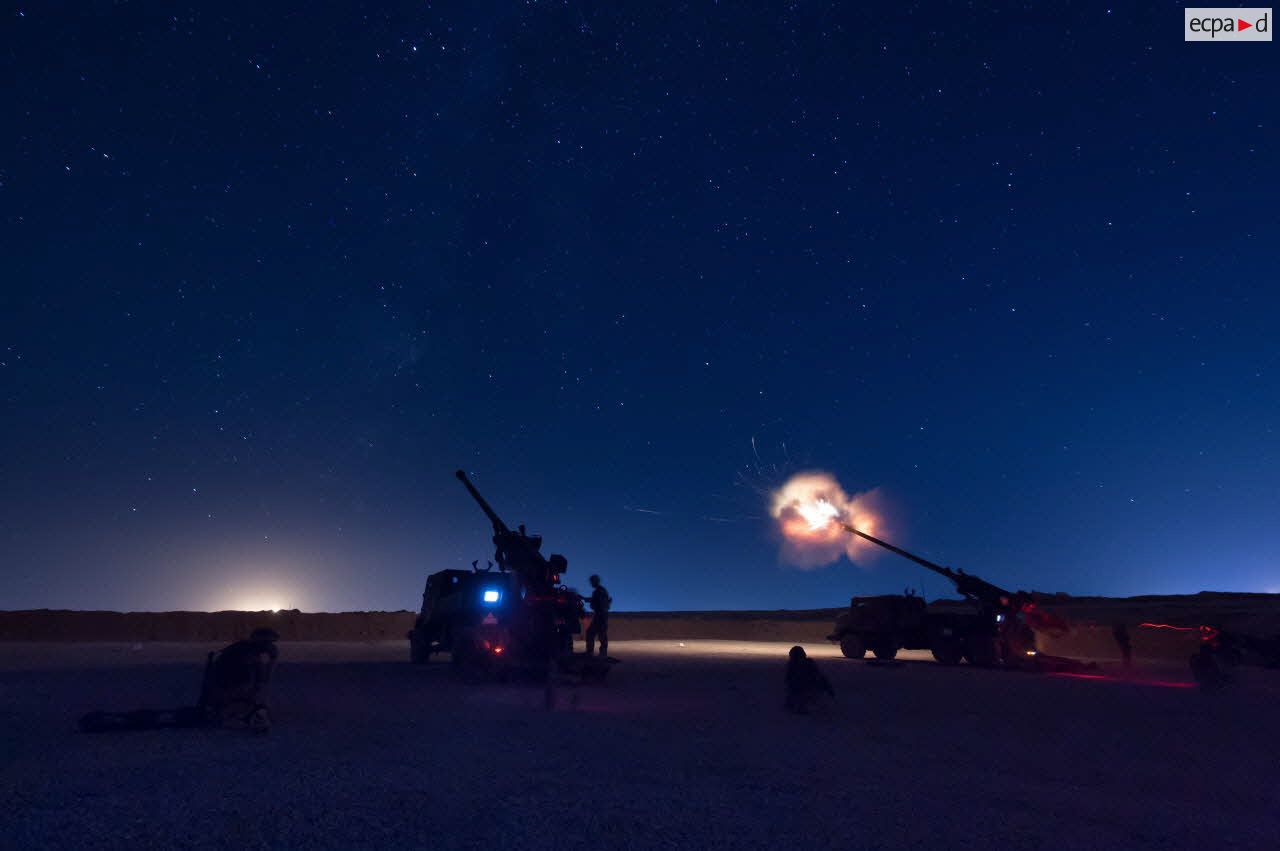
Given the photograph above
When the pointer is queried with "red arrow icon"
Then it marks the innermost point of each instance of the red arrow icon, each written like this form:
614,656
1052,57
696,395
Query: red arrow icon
1244,25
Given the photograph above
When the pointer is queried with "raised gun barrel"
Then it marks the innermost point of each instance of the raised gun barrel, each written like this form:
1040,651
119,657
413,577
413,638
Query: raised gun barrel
499,527
515,549
978,590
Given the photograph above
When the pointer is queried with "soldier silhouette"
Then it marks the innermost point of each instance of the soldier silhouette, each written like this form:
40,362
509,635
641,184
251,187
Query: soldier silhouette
600,604
236,679
1121,634
805,683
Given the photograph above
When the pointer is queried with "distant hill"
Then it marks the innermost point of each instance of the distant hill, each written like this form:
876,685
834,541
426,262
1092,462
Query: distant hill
1092,618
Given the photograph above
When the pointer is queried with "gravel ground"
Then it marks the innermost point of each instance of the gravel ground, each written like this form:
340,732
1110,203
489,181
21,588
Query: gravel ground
686,747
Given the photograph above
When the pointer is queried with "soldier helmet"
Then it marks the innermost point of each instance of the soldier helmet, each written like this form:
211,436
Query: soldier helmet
797,652
594,579
264,633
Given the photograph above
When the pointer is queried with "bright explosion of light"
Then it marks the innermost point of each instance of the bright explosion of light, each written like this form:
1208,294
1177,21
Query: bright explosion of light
805,507
818,513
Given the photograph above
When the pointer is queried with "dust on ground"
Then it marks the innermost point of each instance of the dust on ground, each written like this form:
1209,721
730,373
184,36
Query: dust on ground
686,746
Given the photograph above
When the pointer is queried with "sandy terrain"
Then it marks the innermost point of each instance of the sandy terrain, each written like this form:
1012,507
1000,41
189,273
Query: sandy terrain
686,747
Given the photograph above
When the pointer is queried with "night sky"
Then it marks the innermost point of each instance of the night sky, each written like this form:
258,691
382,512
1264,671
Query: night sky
272,272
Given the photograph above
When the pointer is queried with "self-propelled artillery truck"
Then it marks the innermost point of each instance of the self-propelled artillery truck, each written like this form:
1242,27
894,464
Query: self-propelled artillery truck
516,620
996,629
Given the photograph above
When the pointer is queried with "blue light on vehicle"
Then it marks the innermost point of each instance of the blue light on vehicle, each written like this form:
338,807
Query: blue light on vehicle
492,596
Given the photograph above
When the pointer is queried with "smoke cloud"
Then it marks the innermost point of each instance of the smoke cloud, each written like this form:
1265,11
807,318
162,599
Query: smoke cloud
805,507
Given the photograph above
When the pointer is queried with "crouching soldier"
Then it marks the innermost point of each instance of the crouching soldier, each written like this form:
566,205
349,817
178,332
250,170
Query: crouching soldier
236,678
805,683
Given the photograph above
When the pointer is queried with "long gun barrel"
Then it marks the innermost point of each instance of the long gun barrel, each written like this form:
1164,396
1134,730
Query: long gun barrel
499,528
978,590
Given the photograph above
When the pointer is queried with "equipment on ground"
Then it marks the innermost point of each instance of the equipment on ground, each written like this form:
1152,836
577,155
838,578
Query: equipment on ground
997,631
516,620
1221,652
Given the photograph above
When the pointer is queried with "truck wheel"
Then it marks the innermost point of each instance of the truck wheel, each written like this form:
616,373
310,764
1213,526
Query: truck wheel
947,651
852,647
885,651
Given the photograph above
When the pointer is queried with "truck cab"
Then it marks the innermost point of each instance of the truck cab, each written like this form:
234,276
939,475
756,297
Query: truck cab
881,624
458,604
888,623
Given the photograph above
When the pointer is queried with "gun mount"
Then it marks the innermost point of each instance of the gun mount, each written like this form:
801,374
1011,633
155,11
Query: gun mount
517,550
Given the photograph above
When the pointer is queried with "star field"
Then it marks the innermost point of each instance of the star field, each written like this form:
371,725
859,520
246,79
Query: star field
273,273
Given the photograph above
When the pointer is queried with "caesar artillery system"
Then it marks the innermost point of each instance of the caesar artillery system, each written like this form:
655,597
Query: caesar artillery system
996,630
515,620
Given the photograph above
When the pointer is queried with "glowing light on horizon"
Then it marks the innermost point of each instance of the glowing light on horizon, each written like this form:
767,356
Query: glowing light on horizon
261,601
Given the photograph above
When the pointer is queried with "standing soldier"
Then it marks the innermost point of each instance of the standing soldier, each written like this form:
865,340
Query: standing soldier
1121,634
600,603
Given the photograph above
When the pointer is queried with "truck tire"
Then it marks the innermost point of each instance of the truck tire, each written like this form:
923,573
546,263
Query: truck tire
947,651
885,650
852,647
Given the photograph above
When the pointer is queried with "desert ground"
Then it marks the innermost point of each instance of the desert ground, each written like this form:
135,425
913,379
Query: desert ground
686,746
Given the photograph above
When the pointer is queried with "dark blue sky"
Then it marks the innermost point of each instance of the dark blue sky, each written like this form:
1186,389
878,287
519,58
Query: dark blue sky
273,272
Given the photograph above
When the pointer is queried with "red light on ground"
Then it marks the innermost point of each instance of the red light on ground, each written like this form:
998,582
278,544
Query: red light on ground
1108,678
497,651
